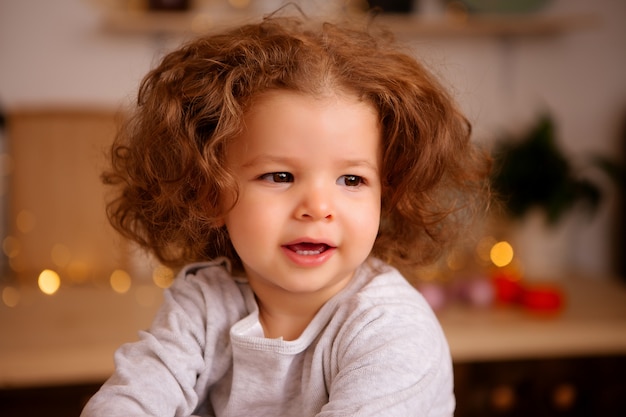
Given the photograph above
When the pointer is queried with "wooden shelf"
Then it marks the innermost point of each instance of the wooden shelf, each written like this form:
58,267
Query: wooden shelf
487,25
185,23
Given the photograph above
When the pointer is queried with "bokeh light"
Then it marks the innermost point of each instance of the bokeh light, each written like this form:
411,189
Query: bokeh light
162,276
501,254
60,255
49,281
120,281
10,296
11,246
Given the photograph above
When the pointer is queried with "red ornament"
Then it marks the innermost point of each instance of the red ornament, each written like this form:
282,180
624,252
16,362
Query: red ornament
508,288
546,298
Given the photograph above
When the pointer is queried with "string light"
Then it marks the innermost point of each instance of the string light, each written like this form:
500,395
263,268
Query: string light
162,276
11,246
60,255
120,281
10,296
501,254
49,281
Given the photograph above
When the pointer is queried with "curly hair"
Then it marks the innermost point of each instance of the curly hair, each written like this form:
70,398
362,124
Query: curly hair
168,159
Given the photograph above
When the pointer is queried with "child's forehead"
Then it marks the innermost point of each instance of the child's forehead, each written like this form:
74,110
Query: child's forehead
284,104
287,121
328,95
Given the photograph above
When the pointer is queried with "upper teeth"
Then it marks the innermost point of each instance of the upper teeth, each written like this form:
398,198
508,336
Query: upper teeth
309,252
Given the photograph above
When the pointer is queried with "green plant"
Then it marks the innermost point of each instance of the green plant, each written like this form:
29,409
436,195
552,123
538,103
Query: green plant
531,171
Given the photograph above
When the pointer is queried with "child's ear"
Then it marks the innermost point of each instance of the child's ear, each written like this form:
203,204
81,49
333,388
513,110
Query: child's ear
217,220
216,215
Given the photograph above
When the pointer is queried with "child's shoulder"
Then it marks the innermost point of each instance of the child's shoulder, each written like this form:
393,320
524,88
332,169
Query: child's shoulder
211,273
381,282
209,282
380,291
386,312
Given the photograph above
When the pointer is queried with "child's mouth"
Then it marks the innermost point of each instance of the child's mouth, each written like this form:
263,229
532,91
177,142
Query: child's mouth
308,254
308,248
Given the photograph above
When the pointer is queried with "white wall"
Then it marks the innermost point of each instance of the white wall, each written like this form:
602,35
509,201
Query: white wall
55,53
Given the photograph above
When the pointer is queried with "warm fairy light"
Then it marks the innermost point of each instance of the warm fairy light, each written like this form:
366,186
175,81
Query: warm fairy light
60,255
25,221
120,281
17,264
162,276
49,281
501,254
10,296
11,246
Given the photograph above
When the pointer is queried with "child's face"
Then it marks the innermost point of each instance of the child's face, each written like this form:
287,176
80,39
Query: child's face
308,172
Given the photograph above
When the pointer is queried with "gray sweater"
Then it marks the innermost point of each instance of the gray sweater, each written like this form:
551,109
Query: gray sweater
375,349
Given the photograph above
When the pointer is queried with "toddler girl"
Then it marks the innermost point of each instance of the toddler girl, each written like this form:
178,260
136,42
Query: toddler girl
287,165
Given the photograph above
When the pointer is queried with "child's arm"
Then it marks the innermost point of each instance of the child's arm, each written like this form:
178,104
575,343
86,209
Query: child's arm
167,371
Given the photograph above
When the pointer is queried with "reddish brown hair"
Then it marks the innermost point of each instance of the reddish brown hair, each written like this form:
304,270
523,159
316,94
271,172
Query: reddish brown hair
168,160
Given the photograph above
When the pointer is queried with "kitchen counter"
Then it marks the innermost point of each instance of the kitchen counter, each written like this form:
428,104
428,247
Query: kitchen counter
592,322
70,337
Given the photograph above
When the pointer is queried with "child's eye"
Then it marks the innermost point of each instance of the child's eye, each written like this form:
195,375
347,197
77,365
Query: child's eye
277,177
350,180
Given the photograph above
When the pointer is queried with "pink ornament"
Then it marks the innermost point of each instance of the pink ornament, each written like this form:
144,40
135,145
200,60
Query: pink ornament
434,294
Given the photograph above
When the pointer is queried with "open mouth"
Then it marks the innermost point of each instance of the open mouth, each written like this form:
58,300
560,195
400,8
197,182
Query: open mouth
308,249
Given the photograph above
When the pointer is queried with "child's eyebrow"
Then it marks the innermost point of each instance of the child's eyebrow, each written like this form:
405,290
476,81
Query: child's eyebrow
284,160
360,163
265,159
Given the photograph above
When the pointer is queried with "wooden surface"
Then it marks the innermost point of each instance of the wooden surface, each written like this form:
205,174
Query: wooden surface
592,322
70,337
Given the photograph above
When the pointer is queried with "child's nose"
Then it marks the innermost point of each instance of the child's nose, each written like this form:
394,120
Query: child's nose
315,203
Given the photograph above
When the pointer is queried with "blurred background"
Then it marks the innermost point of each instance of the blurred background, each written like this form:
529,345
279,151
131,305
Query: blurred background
533,304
